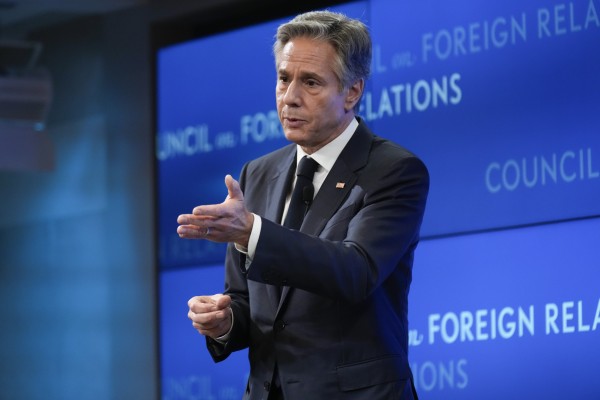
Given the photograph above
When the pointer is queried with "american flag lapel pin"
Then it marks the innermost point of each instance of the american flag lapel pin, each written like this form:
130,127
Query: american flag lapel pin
340,185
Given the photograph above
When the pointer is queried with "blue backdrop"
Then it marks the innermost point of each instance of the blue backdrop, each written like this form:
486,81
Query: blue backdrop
502,102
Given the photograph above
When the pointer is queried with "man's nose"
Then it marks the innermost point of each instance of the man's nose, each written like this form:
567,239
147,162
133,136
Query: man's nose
292,96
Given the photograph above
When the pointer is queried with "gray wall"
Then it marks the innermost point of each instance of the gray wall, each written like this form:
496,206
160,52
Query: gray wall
77,274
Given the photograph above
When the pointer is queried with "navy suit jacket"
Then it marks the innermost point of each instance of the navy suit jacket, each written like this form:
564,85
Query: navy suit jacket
340,328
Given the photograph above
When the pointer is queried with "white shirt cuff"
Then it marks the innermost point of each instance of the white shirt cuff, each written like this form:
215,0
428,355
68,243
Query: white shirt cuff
253,240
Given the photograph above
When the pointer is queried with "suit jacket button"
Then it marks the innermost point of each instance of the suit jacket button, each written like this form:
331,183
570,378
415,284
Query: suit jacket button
279,325
267,386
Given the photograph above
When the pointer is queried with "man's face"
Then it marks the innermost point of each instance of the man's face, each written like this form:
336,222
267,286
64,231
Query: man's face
312,109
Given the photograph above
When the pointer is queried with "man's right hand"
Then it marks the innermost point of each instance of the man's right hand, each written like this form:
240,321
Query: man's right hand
211,315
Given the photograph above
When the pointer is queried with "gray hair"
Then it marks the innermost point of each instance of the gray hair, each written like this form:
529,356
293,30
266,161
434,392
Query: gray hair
349,37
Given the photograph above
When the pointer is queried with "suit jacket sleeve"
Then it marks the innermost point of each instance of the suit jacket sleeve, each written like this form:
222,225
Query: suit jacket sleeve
372,234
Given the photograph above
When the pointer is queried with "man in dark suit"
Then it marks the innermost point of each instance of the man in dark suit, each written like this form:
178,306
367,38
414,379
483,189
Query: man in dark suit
322,306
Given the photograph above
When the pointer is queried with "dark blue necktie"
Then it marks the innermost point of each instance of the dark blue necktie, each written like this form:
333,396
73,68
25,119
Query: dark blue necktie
302,194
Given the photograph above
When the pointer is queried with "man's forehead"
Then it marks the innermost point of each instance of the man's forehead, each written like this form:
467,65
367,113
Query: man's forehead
306,51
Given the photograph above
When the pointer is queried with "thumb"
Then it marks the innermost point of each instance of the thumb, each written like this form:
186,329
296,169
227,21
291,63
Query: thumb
221,301
233,188
224,301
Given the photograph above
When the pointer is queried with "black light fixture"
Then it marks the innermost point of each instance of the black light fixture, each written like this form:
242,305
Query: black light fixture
25,91
17,55
25,97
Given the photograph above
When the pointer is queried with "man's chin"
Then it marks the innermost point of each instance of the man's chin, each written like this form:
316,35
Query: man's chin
294,135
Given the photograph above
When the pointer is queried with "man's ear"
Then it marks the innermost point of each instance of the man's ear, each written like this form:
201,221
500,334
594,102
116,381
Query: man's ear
354,93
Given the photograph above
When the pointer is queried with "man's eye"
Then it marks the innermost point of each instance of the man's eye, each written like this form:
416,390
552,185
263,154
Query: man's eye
283,79
311,83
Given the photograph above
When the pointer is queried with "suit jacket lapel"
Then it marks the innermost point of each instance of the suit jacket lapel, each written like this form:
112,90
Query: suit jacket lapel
330,195
344,171
279,185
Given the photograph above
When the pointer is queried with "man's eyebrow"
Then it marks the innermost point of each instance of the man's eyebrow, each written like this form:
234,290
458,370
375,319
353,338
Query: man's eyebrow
311,75
303,75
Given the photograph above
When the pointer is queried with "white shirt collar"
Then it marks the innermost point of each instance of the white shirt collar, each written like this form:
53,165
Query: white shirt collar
328,154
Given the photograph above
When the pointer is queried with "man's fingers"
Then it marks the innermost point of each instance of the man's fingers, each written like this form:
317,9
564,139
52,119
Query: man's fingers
215,331
196,227
195,219
200,304
215,322
207,318
208,304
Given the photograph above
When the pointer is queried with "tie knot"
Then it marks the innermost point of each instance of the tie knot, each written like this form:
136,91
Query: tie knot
307,168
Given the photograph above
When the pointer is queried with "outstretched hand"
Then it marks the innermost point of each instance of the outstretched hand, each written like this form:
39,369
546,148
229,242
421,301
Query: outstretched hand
229,221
